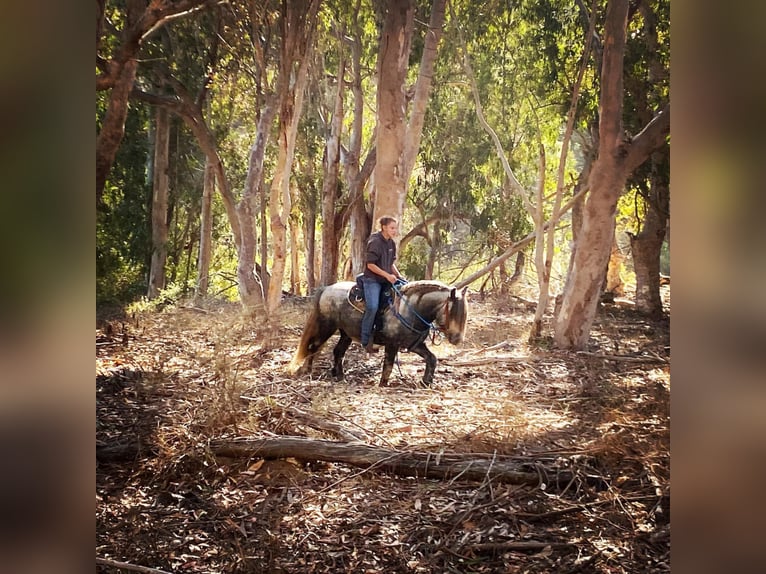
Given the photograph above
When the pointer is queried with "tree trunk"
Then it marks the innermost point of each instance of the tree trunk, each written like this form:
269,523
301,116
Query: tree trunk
159,204
330,239
119,73
251,294
205,231
616,159
545,263
394,50
356,176
113,125
422,89
647,245
297,46
295,272
541,264
614,283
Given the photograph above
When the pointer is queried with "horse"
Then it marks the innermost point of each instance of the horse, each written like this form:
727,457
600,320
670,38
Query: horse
419,308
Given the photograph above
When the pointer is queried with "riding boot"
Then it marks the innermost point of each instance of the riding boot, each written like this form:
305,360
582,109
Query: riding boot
369,347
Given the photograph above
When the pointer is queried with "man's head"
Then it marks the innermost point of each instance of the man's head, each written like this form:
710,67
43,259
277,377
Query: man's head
389,227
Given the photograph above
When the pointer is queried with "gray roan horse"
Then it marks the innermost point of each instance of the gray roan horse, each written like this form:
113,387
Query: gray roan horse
424,306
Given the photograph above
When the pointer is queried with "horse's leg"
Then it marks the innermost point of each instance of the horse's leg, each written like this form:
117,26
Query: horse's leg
338,352
388,363
325,331
430,358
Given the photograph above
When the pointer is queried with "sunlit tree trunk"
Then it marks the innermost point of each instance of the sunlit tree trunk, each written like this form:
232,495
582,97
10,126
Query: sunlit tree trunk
544,253
616,159
205,231
422,89
160,184
297,47
394,50
357,176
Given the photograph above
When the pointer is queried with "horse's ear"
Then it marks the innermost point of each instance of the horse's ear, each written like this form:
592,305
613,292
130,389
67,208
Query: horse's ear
463,292
452,294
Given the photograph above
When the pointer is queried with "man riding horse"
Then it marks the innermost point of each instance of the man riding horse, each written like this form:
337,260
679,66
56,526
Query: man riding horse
380,269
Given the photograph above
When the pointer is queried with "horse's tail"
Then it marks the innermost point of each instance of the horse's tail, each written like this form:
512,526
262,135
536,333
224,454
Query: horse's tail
310,331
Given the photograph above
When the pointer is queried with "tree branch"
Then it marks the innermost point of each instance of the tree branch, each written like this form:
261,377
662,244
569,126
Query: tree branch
406,463
648,140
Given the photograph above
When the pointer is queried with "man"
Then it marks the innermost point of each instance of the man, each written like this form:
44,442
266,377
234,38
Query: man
379,270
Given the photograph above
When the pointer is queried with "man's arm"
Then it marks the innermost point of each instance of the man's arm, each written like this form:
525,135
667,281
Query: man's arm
390,277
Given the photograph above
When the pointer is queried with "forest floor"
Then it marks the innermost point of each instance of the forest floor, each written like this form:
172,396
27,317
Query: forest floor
171,383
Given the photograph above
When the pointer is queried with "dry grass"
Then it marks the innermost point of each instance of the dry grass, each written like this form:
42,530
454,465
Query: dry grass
169,382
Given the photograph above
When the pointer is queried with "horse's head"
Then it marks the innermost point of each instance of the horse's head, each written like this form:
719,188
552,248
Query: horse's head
455,315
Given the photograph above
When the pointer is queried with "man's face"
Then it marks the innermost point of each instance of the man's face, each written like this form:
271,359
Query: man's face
390,230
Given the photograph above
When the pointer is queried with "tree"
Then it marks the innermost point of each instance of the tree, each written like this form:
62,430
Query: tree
117,70
295,47
647,56
617,157
330,192
206,231
159,204
393,57
275,60
398,142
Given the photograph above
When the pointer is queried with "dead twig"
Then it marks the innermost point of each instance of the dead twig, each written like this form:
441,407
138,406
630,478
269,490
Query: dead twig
128,566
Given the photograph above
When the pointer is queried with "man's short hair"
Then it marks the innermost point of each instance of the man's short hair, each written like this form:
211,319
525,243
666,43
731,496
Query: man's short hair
386,220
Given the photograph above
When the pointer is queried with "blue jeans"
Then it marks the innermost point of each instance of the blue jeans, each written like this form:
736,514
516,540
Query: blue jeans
372,291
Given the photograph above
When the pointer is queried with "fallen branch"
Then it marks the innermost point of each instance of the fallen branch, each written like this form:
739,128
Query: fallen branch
127,566
485,361
623,358
519,545
406,463
322,424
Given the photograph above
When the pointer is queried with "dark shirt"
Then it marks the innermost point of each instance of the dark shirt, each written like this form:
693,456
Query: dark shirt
381,252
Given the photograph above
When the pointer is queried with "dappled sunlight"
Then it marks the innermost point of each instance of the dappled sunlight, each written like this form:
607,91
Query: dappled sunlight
170,383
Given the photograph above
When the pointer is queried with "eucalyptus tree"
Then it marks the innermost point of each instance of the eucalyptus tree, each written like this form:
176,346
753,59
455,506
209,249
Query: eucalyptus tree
278,33
121,30
297,46
525,65
647,86
179,74
618,157
397,136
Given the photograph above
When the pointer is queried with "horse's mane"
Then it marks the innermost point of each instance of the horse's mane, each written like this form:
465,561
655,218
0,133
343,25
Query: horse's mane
423,287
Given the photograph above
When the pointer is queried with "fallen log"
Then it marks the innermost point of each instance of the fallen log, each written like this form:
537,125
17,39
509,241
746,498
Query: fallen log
400,462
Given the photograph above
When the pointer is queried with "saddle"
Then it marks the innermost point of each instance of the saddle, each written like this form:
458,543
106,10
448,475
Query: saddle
356,298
